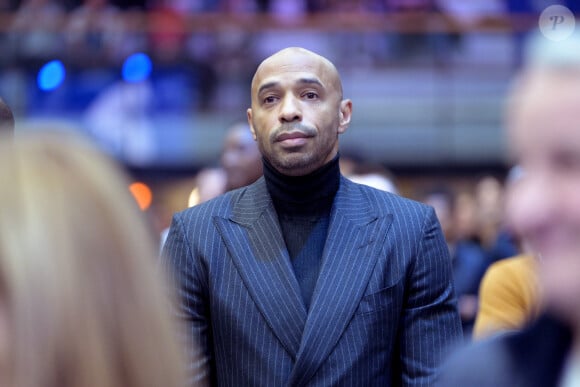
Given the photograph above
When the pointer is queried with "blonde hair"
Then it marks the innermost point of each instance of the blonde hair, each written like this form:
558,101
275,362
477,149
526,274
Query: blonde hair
86,304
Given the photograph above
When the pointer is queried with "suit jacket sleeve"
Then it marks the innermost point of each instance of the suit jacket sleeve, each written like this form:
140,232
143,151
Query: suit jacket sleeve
431,323
189,277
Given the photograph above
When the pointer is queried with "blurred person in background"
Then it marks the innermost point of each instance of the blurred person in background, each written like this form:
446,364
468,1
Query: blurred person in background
96,41
544,209
241,159
370,173
441,198
509,294
468,256
82,302
95,34
482,239
305,277
362,171
35,33
495,238
120,119
489,195
210,182
6,118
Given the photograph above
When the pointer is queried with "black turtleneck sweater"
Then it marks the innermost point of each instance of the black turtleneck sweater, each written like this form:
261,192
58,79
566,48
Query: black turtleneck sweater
303,205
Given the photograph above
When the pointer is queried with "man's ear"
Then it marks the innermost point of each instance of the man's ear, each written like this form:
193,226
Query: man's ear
249,113
344,115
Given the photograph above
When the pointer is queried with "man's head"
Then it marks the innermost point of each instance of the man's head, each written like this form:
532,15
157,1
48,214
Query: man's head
240,157
544,203
6,118
297,110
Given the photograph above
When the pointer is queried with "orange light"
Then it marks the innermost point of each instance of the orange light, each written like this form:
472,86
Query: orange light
142,194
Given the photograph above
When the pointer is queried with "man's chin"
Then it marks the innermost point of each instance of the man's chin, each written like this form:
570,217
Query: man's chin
296,165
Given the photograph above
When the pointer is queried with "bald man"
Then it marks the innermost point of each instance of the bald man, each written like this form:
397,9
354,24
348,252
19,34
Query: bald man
305,278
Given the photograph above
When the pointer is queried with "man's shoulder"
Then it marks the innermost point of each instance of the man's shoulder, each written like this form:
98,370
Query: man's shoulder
225,204
218,206
393,201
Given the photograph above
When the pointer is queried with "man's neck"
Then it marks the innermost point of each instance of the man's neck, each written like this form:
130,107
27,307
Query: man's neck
312,193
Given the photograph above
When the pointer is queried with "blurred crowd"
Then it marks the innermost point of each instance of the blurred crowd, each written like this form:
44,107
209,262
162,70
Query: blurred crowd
203,55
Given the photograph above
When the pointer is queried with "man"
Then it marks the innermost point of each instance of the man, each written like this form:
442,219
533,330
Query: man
304,277
544,209
6,118
240,159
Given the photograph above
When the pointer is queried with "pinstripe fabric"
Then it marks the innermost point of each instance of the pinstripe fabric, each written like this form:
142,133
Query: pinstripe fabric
383,311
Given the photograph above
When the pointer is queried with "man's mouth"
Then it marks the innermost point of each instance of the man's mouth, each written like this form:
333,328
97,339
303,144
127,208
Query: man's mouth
291,136
292,139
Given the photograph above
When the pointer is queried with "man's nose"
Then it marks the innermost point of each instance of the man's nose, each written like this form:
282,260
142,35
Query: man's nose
290,110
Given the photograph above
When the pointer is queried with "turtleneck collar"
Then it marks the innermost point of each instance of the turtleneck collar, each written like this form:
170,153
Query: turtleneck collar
309,194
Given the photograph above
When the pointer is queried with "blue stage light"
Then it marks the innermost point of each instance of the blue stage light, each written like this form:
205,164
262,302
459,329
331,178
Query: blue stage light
51,75
137,67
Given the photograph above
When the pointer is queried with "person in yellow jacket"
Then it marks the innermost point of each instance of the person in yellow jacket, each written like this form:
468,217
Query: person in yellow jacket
509,296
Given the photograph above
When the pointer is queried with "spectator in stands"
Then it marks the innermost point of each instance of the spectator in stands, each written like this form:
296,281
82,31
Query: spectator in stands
95,35
34,33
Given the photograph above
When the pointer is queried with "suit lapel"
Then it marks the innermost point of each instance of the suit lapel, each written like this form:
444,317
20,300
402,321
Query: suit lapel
355,237
254,240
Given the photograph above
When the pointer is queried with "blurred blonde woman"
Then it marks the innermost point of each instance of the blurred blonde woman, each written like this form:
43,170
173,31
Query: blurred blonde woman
82,302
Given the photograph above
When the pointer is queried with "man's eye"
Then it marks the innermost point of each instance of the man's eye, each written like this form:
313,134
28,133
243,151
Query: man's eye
270,99
311,95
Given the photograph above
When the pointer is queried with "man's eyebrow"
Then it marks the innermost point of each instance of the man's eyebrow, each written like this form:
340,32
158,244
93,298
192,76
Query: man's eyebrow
267,86
306,81
310,81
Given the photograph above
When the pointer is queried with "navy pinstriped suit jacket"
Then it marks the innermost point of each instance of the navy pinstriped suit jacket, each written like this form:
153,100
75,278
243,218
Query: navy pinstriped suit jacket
383,311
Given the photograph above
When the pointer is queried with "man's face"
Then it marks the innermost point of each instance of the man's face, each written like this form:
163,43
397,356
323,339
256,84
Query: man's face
297,112
544,204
